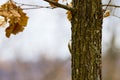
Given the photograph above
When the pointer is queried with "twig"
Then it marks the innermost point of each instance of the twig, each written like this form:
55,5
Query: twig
116,6
38,8
60,5
23,4
107,5
32,6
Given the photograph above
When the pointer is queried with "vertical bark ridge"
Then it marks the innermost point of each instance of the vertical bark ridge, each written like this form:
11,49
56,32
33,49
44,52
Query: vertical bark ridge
86,40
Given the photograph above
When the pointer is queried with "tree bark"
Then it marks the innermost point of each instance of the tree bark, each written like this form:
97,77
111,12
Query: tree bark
86,40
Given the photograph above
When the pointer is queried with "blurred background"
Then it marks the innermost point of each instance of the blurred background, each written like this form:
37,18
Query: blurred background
111,43
40,52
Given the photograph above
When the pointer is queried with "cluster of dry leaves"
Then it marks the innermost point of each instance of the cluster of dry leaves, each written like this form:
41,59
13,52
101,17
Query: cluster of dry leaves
13,15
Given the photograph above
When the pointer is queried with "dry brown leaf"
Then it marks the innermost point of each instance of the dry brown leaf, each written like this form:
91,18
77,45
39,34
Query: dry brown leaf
15,13
9,30
5,14
16,17
2,21
23,19
14,28
17,28
106,14
69,15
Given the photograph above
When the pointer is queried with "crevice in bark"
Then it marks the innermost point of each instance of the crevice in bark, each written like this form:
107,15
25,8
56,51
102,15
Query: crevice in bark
86,40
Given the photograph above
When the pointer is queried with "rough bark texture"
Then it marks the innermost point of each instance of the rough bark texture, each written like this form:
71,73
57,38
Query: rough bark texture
86,40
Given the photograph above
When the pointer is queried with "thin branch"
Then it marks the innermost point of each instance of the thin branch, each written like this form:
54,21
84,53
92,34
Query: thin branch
60,5
116,6
38,8
107,5
32,6
23,4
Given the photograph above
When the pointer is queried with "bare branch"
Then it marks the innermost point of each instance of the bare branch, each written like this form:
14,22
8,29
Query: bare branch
107,5
50,7
23,4
32,6
38,8
60,5
116,6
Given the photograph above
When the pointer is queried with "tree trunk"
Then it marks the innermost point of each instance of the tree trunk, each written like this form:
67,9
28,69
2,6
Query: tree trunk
86,40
